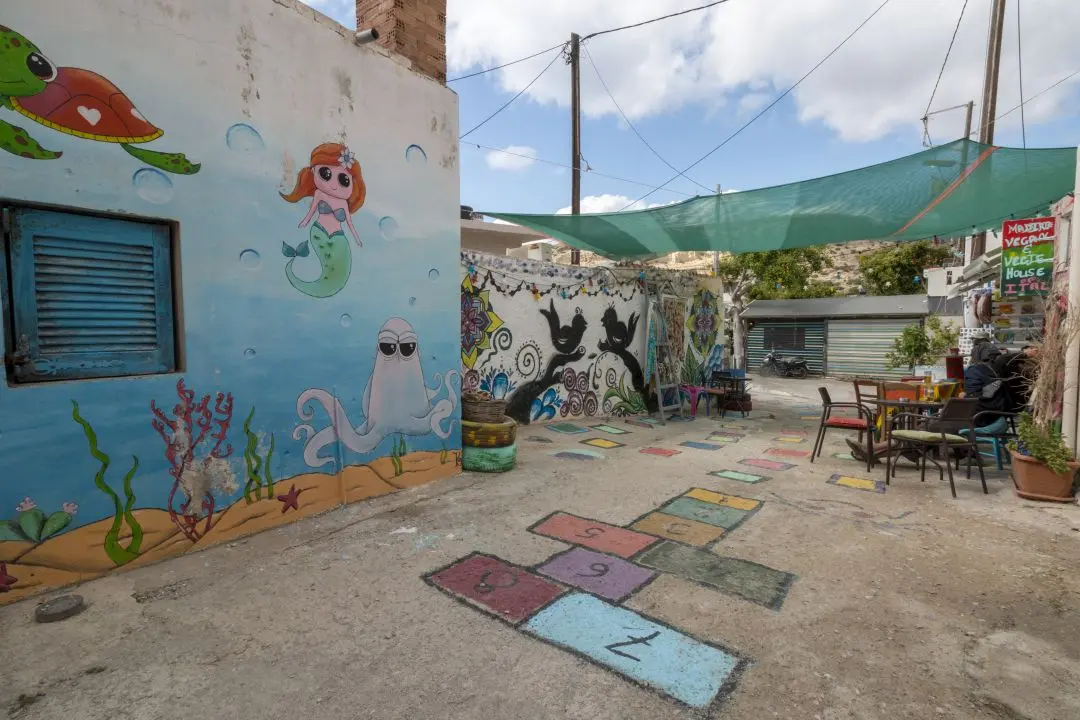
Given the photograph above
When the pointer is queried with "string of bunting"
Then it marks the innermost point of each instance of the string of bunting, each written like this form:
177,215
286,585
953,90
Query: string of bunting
567,291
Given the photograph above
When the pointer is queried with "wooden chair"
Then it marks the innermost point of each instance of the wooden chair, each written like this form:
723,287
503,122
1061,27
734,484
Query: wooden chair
863,423
950,430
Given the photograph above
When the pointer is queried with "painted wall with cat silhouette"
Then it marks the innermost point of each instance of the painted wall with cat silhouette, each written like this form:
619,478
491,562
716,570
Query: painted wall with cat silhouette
558,341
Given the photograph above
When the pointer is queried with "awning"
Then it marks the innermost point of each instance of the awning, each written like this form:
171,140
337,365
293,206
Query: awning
979,271
949,190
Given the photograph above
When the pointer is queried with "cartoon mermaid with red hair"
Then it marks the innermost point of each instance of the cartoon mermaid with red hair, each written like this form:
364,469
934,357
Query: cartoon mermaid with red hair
336,188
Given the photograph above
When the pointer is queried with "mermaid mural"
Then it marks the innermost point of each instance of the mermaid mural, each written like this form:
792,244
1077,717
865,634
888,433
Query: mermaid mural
336,188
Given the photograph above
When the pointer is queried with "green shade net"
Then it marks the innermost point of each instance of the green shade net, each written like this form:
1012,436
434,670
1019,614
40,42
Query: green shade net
949,190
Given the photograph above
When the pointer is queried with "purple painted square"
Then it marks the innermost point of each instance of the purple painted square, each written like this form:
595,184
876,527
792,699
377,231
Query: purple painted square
609,577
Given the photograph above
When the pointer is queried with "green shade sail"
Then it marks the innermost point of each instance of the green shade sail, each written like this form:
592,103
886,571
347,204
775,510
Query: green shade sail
948,190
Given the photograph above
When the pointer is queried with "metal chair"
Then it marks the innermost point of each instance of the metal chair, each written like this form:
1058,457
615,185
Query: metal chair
944,432
863,423
998,440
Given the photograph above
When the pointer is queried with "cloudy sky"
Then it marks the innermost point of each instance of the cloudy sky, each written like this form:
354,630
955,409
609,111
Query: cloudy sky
688,83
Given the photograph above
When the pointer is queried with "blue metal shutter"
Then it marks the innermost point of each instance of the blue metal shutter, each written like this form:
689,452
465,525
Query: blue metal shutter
813,350
92,297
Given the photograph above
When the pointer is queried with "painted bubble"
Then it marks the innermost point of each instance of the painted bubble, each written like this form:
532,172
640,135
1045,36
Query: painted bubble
433,274
250,258
388,227
241,137
346,320
415,155
152,185
249,353
412,301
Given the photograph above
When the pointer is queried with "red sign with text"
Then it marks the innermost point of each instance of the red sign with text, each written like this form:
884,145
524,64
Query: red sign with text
1027,256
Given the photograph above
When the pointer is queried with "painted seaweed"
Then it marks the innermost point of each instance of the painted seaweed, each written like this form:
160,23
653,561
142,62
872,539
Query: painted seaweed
254,464
117,552
398,451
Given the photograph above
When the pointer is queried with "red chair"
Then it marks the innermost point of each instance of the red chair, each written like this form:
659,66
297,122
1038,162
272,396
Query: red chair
863,423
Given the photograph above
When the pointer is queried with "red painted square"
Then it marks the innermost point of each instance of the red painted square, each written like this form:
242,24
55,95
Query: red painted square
594,534
502,589
662,452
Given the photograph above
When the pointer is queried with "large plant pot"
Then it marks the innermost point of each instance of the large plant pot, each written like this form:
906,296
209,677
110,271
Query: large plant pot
1035,481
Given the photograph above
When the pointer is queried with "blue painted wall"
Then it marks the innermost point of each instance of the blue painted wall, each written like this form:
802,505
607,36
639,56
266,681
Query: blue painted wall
284,80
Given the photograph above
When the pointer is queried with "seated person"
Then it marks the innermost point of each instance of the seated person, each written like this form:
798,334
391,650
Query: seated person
983,382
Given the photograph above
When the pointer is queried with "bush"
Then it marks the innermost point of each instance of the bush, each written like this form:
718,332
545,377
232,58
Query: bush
922,344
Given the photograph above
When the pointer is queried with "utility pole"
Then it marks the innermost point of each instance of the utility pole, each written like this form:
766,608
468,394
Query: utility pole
716,255
990,92
575,134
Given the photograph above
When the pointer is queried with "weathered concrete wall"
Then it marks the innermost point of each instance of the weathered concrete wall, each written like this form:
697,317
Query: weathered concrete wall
318,364
567,342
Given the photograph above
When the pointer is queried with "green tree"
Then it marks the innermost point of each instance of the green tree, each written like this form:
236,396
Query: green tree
922,344
771,275
893,270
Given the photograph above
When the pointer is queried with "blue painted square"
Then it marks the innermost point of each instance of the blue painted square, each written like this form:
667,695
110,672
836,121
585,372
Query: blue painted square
634,646
701,445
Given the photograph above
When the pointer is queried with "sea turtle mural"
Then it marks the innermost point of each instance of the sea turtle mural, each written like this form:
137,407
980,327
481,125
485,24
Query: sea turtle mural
72,101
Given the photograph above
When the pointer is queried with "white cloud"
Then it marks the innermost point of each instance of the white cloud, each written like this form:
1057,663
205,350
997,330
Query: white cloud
515,157
878,83
608,203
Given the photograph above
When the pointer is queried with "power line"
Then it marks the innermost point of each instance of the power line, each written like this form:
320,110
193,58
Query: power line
1020,63
595,34
631,125
505,65
510,102
1065,79
658,19
589,170
926,114
770,106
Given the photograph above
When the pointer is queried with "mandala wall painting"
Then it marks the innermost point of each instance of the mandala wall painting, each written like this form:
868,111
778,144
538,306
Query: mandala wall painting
703,322
478,323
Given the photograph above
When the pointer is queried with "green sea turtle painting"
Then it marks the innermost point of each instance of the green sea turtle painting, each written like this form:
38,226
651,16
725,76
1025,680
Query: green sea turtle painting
72,101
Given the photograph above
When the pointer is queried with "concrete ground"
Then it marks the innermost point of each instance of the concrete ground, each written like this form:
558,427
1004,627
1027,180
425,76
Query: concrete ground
906,604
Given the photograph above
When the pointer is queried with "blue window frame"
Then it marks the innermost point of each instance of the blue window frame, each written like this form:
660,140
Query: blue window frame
87,297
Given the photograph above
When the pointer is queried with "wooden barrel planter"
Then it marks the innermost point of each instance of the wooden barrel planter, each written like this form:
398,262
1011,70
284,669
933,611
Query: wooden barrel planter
488,435
488,460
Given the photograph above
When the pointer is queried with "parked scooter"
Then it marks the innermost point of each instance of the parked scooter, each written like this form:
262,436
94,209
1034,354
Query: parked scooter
773,364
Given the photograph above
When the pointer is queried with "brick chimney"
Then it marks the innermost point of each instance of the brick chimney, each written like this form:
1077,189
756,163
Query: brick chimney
415,29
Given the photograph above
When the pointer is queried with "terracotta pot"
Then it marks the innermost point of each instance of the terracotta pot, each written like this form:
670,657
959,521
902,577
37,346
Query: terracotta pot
1035,481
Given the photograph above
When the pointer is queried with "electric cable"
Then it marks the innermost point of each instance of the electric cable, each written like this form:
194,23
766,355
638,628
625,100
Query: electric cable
589,171
510,102
1065,79
631,124
506,65
941,72
768,107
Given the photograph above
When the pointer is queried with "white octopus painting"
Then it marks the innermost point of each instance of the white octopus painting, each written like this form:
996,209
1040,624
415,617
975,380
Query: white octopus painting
396,401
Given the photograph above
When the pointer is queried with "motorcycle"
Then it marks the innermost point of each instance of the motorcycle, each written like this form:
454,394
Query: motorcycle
773,364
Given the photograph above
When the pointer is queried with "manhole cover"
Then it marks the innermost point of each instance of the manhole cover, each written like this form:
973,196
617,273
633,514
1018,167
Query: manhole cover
61,608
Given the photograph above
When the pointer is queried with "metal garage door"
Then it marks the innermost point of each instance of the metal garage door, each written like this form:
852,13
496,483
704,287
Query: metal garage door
857,348
791,339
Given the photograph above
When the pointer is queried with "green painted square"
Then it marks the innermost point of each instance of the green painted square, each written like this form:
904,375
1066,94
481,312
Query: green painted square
567,428
739,476
720,516
610,430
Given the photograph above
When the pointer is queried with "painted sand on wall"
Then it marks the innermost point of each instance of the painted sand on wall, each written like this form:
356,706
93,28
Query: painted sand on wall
77,555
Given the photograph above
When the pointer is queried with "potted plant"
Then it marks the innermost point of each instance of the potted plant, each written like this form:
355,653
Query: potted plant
1043,465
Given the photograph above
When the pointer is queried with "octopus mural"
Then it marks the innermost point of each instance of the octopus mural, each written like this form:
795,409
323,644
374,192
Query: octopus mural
396,401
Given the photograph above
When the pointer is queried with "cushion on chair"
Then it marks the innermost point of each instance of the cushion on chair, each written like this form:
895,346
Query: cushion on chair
925,436
846,422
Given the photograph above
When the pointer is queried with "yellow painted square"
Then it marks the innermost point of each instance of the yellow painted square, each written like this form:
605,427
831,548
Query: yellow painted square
690,532
789,439
602,443
716,498
858,483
